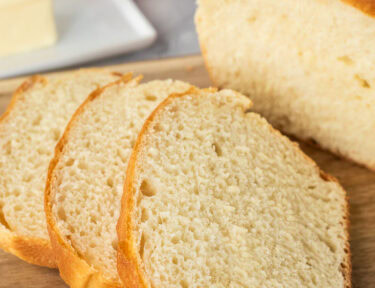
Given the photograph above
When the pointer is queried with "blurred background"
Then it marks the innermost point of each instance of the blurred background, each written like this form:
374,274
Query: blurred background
49,35
173,21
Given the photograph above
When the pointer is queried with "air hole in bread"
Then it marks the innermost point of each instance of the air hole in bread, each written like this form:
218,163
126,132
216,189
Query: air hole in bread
114,244
69,162
2,218
61,213
175,239
330,246
43,151
346,60
217,149
110,182
37,120
252,19
142,245
27,177
151,97
93,220
363,82
144,215
147,189
16,192
82,165
175,260
191,156
71,229
157,127
61,198
174,109
196,190
184,284
139,198
8,148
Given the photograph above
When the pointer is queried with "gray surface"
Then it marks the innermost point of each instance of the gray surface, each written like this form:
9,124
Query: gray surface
174,22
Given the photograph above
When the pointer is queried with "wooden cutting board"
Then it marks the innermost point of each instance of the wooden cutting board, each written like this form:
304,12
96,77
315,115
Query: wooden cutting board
358,182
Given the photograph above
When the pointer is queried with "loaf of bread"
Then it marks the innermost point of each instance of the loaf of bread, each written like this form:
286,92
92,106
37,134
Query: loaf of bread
29,130
86,178
215,197
308,65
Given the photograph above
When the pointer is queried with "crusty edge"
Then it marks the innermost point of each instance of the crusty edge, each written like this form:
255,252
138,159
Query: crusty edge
366,6
74,270
33,250
129,263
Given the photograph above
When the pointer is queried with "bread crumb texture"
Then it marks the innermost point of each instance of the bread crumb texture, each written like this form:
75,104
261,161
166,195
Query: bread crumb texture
29,132
221,199
87,182
308,66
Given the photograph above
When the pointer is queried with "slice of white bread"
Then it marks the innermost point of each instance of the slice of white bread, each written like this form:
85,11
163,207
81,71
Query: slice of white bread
29,131
215,197
308,65
86,178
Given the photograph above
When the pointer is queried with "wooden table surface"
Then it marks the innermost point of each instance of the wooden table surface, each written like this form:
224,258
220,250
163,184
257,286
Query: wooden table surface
358,182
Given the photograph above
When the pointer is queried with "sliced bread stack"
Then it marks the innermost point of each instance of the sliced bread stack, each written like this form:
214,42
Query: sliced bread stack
29,131
215,197
86,176
308,65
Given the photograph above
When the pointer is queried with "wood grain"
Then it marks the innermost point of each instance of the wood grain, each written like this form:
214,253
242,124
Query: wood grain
358,182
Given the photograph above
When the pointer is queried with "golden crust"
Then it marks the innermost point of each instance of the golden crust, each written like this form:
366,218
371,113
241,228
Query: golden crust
73,268
366,6
33,250
129,263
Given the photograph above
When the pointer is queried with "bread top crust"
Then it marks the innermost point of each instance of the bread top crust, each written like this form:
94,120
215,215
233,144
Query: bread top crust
366,6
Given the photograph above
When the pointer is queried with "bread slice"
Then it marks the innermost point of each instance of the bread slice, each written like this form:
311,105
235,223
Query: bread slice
29,130
215,197
308,66
86,178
